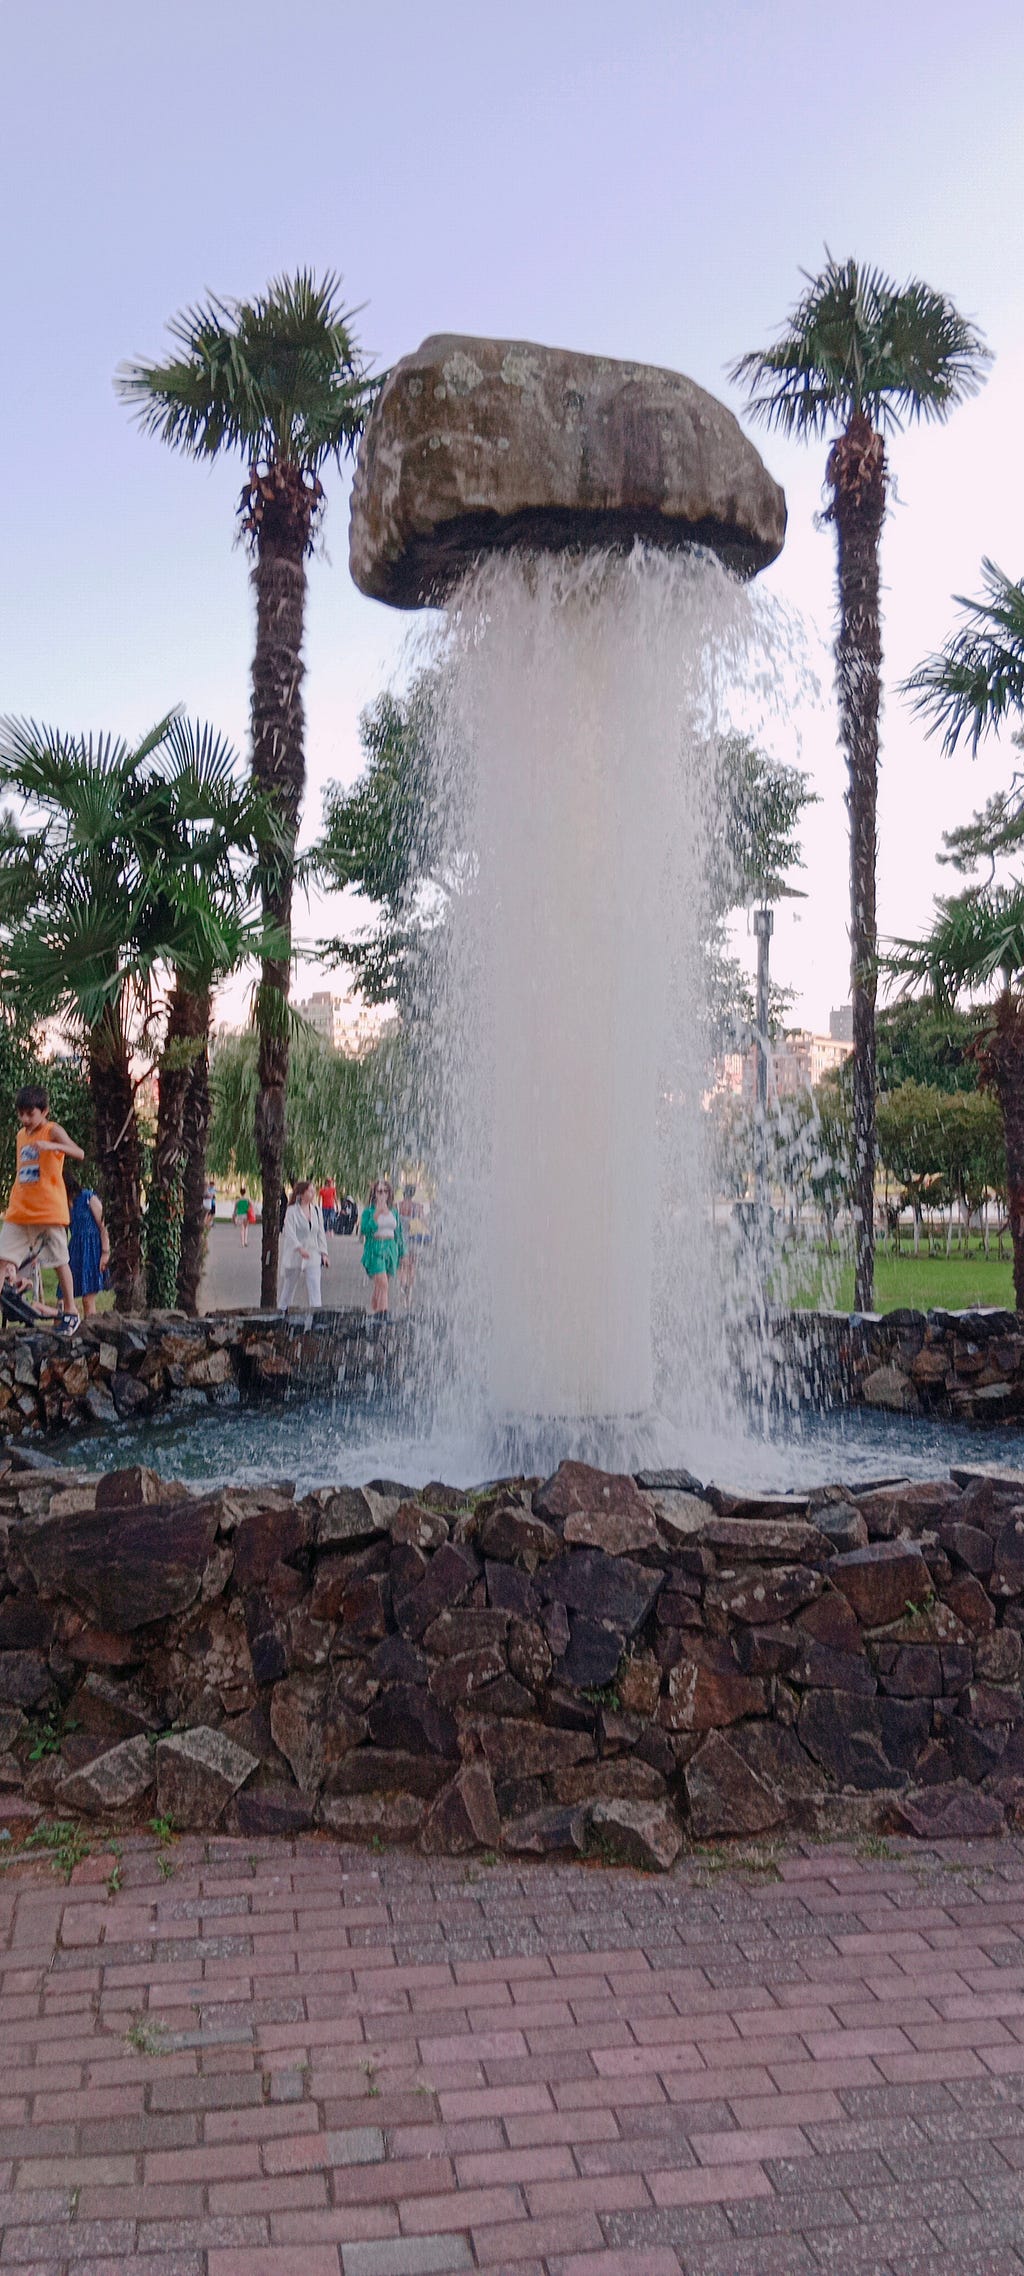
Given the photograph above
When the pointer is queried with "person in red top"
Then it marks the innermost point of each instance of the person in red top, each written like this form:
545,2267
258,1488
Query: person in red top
34,1229
329,1204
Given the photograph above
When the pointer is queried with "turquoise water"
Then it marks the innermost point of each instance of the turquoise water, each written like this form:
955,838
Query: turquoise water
324,1443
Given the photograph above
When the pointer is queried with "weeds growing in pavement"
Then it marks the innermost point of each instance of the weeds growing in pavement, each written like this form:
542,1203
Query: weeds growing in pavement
64,1842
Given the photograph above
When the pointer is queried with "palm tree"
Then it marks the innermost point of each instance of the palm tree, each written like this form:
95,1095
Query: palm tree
977,680
282,380
126,879
864,356
971,687
72,898
203,835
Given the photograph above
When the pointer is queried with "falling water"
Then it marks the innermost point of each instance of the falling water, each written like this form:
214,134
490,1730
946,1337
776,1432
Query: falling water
591,1301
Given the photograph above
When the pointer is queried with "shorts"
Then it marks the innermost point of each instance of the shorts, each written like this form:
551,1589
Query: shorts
26,1245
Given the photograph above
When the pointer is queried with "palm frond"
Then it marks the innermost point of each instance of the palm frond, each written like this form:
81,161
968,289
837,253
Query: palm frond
857,342
281,377
974,683
976,937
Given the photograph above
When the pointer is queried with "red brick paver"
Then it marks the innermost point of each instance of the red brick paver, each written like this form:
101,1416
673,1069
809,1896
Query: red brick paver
305,2060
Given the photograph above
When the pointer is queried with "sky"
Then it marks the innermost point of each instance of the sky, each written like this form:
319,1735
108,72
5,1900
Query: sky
645,182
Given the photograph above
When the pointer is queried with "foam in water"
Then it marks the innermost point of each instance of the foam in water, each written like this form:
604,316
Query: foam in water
591,1302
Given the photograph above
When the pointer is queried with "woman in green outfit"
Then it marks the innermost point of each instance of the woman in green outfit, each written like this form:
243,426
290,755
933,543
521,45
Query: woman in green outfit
383,1242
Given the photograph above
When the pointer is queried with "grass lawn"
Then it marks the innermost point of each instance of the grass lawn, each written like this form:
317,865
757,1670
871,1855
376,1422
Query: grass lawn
952,1284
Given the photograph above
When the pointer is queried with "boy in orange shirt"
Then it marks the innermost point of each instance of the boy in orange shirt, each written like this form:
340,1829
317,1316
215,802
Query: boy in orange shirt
35,1227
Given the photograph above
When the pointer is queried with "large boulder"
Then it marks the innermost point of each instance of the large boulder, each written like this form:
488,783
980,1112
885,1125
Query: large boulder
481,445
125,1565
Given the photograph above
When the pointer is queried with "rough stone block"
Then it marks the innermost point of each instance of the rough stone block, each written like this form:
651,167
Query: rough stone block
464,1816
113,1782
881,1580
643,1834
197,1772
725,1795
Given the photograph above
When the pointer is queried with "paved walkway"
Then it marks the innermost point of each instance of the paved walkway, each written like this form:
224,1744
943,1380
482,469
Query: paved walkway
232,1275
313,2061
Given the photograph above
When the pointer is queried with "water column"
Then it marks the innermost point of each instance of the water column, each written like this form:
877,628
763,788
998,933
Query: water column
574,516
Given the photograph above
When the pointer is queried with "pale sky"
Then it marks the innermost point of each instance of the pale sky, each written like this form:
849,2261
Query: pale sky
644,182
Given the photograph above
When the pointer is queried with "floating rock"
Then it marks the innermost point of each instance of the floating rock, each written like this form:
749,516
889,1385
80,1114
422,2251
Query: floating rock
725,1795
197,1772
465,1816
111,1783
637,1833
881,1580
478,443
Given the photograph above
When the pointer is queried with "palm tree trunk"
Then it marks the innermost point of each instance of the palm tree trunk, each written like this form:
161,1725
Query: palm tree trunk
194,1225
278,767
188,1023
119,1157
1002,1068
857,475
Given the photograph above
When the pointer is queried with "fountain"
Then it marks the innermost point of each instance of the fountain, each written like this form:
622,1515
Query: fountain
588,527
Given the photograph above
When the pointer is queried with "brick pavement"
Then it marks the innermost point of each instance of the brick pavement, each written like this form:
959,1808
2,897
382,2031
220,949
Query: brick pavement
304,2060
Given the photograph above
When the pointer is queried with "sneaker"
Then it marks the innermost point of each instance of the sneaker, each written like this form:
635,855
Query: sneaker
66,1324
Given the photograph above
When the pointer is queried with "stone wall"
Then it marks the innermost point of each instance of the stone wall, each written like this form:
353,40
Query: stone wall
117,1369
590,1663
963,1365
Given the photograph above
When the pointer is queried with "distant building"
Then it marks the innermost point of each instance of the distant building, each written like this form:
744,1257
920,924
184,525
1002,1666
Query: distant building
840,1023
798,1062
325,1014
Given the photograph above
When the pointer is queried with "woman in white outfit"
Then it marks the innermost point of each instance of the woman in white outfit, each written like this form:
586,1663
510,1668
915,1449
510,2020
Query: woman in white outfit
303,1249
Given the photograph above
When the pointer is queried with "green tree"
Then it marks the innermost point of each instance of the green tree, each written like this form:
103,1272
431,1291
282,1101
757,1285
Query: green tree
922,1042
280,379
866,356
343,1112
381,840
121,901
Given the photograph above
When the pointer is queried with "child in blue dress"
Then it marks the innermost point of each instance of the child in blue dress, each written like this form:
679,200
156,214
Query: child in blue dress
88,1243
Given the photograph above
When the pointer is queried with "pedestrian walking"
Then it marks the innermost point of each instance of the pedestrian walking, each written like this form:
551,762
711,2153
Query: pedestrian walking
88,1243
245,1215
383,1242
329,1204
35,1227
413,1214
304,1251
